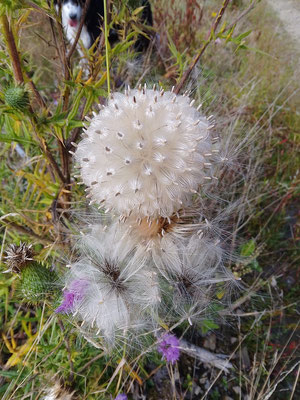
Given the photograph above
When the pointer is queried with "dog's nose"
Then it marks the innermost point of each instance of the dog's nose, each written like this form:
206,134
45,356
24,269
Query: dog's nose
73,16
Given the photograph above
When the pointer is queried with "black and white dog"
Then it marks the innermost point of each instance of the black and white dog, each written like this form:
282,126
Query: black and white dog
71,12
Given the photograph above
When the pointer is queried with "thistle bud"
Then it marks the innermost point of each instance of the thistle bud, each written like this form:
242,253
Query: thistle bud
17,97
36,281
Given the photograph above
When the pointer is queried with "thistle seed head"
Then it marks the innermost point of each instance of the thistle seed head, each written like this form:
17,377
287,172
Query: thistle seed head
110,288
147,154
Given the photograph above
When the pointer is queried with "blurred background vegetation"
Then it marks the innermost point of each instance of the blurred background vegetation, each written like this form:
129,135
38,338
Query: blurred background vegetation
248,76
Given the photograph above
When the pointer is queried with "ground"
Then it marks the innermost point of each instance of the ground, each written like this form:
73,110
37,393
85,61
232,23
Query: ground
289,13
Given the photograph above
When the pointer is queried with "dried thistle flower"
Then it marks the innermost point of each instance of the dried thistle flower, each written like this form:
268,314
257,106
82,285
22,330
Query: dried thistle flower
196,277
145,153
110,287
17,257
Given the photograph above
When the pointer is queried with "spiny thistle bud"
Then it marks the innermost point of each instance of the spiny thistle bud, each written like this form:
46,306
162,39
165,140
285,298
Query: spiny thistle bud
145,153
36,281
16,97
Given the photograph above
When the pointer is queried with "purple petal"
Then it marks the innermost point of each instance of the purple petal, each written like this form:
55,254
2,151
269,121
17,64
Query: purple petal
75,292
121,396
67,303
169,347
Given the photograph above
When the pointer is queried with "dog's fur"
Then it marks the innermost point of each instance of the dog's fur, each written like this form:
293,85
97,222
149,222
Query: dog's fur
71,11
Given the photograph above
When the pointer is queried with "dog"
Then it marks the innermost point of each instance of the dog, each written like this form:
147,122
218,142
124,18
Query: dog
71,12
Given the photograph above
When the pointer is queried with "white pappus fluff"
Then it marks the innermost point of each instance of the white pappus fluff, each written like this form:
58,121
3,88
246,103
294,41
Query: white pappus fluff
120,290
57,392
145,153
195,275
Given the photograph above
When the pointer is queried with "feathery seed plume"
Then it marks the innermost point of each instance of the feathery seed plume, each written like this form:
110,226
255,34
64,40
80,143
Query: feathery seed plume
110,288
145,153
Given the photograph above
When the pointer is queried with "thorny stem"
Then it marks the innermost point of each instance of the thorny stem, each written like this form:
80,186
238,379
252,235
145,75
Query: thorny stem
12,49
16,64
18,74
62,50
208,41
45,149
66,58
55,41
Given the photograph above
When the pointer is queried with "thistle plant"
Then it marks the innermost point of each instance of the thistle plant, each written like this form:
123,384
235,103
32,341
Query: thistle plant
150,160
36,281
144,157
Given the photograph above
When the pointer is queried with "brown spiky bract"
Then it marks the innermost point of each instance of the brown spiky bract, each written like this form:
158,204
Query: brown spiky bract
17,257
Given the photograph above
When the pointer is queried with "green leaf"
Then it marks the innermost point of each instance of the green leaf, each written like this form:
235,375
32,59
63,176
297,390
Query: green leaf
4,138
9,374
208,325
243,35
248,248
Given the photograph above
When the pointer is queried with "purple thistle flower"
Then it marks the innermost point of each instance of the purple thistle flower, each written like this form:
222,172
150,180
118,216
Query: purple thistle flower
168,346
74,293
121,396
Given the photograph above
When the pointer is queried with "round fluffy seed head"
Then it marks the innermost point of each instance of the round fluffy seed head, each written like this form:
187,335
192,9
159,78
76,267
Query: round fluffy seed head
16,97
145,153
196,276
110,288
17,257
36,282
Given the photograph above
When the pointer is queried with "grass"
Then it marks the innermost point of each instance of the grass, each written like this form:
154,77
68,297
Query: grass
254,92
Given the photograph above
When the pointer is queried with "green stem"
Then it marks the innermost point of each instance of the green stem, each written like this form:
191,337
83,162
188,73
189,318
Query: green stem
106,47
